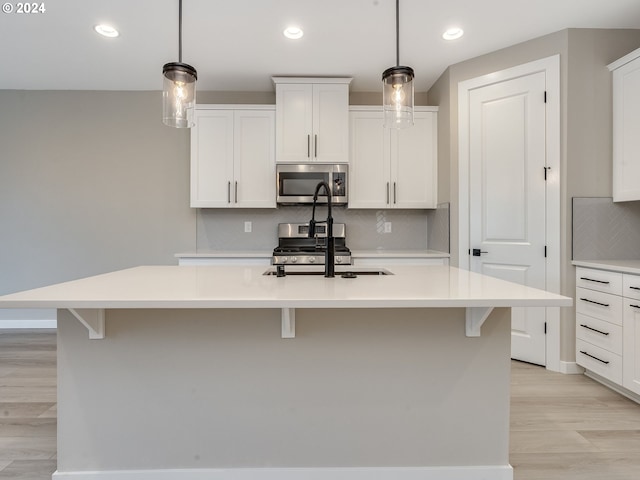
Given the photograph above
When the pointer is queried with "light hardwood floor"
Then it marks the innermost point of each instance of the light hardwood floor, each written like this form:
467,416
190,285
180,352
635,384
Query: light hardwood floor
562,426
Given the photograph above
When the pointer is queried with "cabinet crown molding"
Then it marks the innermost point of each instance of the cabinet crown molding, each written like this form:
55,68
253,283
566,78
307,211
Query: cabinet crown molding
315,80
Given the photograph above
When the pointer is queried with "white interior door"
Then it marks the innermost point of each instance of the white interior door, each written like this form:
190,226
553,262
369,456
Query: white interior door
507,196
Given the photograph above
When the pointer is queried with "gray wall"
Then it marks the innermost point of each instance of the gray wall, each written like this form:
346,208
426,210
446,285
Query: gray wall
585,127
89,182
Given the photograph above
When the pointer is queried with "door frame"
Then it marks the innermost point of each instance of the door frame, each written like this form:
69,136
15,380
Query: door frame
551,67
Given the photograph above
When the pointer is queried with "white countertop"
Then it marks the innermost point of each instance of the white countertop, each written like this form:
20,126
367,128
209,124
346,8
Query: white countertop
381,253
624,266
247,287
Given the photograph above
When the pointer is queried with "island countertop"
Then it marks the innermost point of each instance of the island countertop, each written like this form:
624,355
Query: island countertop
434,286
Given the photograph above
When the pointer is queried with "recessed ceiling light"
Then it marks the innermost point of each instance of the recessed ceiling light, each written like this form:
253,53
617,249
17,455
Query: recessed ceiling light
293,33
453,33
106,31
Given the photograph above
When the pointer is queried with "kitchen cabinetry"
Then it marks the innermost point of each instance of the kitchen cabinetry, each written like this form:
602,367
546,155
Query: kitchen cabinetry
391,168
608,325
631,327
233,157
626,124
312,119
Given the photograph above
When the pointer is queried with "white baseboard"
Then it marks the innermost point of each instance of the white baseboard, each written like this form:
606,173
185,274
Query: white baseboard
571,368
613,386
498,472
27,318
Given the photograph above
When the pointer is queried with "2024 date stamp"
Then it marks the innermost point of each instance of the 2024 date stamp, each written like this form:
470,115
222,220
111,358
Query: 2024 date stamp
26,8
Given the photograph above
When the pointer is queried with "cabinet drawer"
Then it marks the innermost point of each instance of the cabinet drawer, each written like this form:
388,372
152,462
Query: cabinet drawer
599,360
599,333
599,305
600,280
631,286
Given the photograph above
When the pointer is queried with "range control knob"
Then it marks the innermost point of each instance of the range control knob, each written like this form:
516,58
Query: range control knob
312,259
338,259
294,259
282,259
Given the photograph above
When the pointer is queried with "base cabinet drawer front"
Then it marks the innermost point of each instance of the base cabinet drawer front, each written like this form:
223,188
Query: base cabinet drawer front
600,305
602,334
631,286
600,280
599,360
631,348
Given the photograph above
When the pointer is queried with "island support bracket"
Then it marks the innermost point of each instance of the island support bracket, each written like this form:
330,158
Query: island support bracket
475,317
92,319
288,323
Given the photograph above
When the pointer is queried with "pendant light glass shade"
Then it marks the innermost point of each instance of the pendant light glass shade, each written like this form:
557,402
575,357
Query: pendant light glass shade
179,95
397,89
397,97
179,88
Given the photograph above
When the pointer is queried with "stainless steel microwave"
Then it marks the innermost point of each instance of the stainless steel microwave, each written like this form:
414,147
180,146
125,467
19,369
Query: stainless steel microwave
296,184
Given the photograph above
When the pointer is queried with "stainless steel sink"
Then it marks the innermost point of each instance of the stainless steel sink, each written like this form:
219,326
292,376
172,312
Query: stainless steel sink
350,273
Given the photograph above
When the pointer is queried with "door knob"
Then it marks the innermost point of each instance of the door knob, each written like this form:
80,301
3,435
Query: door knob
477,252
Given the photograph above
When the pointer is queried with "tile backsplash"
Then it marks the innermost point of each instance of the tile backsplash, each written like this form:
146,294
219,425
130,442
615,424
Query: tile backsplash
604,230
223,229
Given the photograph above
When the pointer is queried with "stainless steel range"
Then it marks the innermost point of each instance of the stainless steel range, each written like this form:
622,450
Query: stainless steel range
296,248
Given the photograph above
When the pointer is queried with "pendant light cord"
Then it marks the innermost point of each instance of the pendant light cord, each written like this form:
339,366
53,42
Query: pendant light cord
180,31
397,33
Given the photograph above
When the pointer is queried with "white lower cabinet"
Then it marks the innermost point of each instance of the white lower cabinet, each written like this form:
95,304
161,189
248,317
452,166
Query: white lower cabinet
631,345
233,157
608,325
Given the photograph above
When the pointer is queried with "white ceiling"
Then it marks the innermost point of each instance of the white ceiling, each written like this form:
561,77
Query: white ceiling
237,45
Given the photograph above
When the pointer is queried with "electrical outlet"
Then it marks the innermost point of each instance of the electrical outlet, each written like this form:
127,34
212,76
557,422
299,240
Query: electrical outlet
247,227
387,227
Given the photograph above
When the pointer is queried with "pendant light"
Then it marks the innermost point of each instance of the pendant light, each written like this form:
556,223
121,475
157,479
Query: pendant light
397,89
179,88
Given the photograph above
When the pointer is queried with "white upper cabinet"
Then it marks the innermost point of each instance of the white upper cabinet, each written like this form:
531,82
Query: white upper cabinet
312,119
233,157
392,168
626,125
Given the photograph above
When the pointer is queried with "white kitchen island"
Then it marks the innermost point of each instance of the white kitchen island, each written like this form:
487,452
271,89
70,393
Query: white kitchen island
221,372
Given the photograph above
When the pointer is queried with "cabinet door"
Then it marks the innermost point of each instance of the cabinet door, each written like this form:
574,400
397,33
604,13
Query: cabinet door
212,158
626,125
631,346
294,114
369,161
414,163
330,140
254,159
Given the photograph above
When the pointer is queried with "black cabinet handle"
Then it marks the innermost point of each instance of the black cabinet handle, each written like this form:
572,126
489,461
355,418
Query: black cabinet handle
593,329
596,303
592,280
315,146
634,306
595,358
634,288
308,146
387,193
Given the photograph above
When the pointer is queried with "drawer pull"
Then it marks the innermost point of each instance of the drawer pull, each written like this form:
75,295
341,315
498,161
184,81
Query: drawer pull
595,358
593,280
634,306
593,329
634,288
597,303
